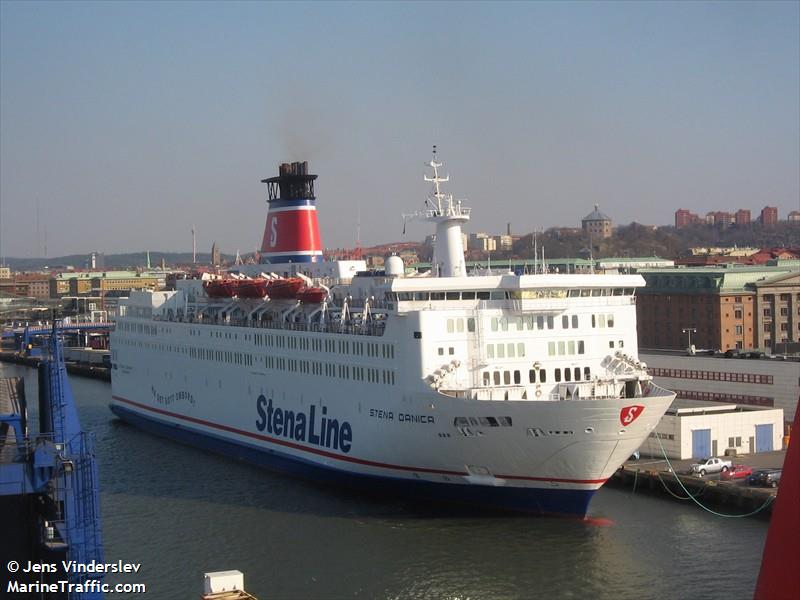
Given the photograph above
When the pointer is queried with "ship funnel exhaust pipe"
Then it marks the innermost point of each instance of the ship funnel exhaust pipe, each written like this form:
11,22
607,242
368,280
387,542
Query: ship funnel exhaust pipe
292,230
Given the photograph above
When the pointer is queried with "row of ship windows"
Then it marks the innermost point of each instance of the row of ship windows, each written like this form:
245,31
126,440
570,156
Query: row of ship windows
508,295
566,347
143,312
712,375
355,373
141,328
154,330
354,348
507,350
339,346
226,356
506,377
528,323
511,350
457,325
570,347
220,356
485,421
539,322
324,369
539,432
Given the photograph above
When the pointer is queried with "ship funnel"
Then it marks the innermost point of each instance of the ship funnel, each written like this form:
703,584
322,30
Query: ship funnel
292,231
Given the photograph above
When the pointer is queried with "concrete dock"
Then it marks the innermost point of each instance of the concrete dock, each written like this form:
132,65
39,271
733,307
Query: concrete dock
654,475
73,368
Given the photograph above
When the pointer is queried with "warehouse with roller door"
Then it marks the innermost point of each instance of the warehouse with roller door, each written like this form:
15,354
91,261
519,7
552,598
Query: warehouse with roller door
715,430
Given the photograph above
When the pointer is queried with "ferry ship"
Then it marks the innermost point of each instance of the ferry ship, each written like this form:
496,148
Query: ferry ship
519,392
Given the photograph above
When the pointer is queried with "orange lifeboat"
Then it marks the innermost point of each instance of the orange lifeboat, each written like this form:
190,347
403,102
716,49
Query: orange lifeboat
220,288
283,289
313,295
251,288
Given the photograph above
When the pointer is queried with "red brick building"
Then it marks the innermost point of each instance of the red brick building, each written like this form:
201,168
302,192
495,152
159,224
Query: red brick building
719,218
742,216
684,217
725,307
769,215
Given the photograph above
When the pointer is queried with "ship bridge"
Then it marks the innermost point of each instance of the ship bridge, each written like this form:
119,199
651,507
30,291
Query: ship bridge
512,292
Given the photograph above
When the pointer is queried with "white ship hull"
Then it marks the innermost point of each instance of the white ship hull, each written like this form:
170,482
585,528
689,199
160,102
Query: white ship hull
550,459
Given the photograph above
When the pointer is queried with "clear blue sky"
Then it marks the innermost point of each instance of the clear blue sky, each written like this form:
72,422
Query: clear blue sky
125,123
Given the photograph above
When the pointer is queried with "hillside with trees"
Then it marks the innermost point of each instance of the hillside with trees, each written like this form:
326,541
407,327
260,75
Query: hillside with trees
666,242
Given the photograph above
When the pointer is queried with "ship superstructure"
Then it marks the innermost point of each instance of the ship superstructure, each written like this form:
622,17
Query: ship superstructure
513,391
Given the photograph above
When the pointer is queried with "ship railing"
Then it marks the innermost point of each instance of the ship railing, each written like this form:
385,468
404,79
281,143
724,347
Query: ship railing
12,450
495,393
558,304
455,210
54,534
368,328
540,305
373,303
376,328
587,391
517,305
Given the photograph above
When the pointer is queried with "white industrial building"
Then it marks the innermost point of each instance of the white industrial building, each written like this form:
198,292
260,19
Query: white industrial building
712,429
764,382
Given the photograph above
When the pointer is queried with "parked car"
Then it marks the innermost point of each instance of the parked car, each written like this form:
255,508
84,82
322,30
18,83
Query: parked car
737,472
765,478
710,465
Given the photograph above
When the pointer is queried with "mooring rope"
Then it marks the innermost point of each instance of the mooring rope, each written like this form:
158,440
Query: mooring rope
674,495
700,504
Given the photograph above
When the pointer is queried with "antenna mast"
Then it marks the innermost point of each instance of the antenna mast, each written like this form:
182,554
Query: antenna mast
448,250
436,200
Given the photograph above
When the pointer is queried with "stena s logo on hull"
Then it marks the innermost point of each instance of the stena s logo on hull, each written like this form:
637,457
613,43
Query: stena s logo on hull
301,427
630,413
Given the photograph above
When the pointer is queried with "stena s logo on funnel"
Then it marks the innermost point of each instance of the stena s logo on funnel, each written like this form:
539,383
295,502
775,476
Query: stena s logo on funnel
273,229
630,413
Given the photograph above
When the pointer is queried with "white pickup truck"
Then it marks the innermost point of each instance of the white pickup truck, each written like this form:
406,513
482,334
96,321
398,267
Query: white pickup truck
710,465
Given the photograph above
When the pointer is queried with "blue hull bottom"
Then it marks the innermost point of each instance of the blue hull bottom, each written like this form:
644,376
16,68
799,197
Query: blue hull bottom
560,502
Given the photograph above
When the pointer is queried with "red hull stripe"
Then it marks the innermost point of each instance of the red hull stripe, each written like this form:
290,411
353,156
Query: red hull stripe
333,455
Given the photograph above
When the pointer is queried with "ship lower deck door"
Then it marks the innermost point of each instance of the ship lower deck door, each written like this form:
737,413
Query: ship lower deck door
764,438
701,443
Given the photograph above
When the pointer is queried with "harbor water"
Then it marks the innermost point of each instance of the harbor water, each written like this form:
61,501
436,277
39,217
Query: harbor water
181,512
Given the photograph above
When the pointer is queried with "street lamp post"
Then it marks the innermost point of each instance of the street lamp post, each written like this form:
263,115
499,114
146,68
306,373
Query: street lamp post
690,331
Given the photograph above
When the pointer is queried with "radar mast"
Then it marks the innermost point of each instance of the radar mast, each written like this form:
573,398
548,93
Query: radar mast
448,215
